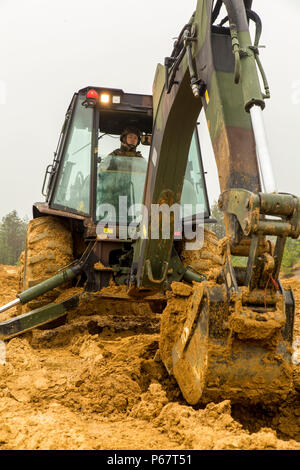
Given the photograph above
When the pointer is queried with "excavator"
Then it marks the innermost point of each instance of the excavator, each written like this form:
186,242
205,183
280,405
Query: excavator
133,230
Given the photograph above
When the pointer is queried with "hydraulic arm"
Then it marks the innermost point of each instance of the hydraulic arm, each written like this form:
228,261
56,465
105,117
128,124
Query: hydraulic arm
215,68
247,313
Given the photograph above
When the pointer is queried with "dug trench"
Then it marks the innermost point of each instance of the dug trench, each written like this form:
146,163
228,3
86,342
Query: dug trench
97,382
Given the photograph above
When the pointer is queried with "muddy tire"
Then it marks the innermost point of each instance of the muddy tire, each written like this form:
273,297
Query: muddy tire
49,248
207,260
21,271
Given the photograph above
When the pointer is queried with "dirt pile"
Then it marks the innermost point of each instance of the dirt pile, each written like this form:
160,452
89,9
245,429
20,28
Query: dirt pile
9,283
97,382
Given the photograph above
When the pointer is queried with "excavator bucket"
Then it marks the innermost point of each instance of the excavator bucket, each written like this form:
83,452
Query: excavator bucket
220,350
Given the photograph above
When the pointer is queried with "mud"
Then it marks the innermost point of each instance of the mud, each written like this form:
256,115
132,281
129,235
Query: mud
208,260
97,382
226,364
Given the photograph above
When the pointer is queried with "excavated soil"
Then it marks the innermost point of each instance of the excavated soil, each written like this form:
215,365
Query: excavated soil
97,382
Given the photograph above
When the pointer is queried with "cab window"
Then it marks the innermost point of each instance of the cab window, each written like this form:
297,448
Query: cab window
121,180
120,187
194,195
73,184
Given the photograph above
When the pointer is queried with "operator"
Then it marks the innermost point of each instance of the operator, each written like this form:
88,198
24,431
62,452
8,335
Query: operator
130,139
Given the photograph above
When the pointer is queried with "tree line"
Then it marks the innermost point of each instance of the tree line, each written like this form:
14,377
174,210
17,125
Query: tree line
13,235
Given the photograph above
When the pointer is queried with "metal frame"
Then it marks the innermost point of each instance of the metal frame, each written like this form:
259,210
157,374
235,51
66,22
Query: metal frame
203,173
94,156
60,148
53,205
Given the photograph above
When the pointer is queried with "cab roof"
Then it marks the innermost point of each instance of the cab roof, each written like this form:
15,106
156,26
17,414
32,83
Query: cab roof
122,110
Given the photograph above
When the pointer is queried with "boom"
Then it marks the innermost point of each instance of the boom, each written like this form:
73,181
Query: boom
213,67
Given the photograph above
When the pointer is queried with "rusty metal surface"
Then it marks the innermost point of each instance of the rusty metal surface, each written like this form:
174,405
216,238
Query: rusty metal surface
43,208
218,351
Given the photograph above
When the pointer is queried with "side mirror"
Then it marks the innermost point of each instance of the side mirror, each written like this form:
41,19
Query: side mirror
146,139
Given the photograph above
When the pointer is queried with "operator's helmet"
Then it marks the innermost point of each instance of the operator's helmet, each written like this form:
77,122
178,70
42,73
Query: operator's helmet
130,130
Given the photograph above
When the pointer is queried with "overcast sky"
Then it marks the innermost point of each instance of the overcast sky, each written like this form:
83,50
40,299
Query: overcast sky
50,49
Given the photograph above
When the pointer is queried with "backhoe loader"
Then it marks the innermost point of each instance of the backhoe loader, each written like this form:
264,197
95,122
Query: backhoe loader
136,230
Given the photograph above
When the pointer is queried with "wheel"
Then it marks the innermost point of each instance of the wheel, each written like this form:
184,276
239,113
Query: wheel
49,247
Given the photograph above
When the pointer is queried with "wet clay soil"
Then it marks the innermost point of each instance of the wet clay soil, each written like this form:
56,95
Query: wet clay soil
97,383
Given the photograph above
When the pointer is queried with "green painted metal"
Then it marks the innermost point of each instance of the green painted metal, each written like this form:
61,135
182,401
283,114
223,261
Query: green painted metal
250,82
191,275
41,316
278,204
203,57
249,207
47,285
250,210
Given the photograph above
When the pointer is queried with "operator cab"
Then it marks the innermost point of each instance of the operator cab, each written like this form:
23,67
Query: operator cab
86,180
